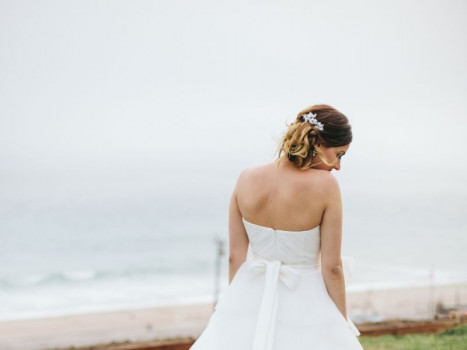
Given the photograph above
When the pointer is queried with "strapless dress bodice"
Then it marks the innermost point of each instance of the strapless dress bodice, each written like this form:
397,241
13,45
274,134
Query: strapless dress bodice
289,247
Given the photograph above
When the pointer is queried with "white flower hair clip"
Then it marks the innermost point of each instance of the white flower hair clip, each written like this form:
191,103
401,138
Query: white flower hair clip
310,117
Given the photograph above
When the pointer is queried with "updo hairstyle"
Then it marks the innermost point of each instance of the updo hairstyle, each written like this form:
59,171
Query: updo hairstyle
301,138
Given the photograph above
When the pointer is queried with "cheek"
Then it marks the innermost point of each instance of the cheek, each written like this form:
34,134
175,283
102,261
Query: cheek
330,155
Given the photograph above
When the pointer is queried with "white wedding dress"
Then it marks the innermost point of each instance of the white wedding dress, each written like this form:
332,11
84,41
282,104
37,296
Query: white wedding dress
278,300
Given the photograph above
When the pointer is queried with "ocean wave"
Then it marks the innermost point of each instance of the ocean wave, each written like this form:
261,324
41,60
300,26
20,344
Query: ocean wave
77,276
52,277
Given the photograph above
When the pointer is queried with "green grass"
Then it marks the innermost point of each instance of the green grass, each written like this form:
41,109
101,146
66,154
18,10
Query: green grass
451,339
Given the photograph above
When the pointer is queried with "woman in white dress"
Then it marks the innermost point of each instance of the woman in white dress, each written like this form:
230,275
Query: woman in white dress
286,274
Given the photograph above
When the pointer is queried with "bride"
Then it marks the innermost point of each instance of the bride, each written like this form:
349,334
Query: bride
286,274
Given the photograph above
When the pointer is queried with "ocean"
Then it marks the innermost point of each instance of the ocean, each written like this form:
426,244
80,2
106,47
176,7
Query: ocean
80,255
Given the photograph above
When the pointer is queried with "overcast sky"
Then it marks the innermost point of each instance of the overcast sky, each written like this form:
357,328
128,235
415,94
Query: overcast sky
114,92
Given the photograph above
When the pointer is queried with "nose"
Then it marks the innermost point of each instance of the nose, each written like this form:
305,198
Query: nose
338,165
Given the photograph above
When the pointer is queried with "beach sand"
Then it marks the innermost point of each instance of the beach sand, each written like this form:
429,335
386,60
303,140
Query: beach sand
189,321
410,303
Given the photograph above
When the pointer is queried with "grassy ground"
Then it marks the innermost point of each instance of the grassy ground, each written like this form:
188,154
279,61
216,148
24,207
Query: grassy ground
451,339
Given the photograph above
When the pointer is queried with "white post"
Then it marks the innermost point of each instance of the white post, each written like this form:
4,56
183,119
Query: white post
431,307
217,277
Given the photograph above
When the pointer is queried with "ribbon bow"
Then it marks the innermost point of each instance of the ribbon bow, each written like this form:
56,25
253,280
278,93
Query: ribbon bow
274,270
288,275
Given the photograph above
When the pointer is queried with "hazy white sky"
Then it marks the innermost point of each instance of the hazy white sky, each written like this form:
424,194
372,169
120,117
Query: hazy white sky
102,92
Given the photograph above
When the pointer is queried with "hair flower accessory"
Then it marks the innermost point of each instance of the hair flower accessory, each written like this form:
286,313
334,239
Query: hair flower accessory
310,117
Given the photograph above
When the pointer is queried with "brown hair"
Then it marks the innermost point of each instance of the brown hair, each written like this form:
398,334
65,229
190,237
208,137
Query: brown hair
298,142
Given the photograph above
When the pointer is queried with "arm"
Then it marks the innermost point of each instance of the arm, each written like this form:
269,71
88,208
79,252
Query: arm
331,241
238,238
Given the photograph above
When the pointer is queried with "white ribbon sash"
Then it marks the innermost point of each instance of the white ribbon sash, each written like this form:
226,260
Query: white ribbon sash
274,270
289,274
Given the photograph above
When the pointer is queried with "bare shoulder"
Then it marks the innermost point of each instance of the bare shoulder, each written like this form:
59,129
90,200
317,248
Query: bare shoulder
333,192
328,180
251,174
327,183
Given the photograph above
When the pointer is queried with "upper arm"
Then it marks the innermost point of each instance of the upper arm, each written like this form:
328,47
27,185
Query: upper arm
238,238
331,226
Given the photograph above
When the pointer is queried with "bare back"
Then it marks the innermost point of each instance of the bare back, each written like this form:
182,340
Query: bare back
283,197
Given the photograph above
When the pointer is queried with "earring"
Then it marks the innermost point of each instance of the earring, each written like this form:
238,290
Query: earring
313,153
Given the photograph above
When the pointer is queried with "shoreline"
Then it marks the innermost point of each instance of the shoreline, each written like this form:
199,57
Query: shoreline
352,288
188,321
